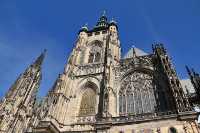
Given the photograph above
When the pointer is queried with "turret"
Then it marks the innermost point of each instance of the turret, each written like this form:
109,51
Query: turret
102,22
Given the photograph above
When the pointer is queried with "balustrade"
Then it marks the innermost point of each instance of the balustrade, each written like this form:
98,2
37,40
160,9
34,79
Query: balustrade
91,68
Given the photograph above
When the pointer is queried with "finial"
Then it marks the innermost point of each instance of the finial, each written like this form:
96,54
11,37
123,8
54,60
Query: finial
40,59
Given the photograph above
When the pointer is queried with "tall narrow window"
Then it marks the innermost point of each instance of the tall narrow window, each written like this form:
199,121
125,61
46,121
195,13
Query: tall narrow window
91,58
120,103
88,103
132,104
129,100
124,104
95,52
94,57
97,57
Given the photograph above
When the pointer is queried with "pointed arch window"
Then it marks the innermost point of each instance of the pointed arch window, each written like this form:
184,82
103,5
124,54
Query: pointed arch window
88,102
97,57
137,94
94,57
91,58
120,103
123,103
95,52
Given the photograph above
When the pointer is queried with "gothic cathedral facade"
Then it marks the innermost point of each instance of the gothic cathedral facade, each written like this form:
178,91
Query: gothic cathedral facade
102,92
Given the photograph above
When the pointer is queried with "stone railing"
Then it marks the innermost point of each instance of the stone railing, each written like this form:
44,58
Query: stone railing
86,69
144,117
127,118
86,119
138,118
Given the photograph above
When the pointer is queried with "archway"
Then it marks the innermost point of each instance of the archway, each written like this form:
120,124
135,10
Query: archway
88,101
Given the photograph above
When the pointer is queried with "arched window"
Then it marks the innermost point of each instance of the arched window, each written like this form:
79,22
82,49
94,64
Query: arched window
137,94
97,57
120,103
172,130
95,52
88,102
129,100
123,104
91,58
94,57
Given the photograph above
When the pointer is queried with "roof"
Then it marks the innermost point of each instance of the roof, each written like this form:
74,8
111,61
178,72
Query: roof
187,85
136,51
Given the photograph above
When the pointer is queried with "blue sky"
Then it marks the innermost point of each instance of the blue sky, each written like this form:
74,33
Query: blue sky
29,26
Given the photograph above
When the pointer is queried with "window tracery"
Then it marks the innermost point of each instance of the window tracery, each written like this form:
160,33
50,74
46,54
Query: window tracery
95,52
136,95
88,102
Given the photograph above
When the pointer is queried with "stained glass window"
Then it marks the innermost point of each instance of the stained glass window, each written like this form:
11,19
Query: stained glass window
88,102
95,52
137,94
91,58
120,103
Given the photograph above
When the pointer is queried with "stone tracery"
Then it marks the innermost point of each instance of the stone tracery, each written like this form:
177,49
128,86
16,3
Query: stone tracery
136,95
88,102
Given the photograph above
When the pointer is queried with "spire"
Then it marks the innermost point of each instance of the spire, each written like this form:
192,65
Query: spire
21,96
39,60
102,22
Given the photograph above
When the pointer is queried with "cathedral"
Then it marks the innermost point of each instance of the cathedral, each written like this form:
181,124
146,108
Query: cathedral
100,91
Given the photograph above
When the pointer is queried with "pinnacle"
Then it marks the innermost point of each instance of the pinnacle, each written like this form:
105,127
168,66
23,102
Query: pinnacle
40,59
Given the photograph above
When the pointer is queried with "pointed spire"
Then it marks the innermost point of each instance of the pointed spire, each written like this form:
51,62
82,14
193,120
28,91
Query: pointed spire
102,22
24,89
40,59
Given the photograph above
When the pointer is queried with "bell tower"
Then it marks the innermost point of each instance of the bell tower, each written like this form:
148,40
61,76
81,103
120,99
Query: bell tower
84,91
